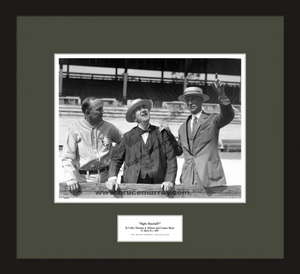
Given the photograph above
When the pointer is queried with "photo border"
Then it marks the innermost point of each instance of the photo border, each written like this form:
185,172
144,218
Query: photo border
209,200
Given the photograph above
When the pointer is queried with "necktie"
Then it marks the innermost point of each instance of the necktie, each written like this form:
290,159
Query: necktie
195,120
142,131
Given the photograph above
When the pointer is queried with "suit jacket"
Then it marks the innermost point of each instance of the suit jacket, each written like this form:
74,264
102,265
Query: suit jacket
203,159
161,152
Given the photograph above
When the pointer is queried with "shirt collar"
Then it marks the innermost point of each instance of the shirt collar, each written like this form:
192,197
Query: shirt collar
87,124
145,128
197,115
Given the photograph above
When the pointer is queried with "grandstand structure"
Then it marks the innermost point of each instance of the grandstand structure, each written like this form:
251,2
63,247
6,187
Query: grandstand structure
78,85
158,89
117,90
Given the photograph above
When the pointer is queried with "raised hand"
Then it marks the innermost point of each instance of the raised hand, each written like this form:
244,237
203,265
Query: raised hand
219,88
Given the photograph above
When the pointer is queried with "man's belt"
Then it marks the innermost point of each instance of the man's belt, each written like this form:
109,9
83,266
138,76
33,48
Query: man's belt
95,171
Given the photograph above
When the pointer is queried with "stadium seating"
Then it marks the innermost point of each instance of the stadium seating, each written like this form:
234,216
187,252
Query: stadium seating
157,92
230,145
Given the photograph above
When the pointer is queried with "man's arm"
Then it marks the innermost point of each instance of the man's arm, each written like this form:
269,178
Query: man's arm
118,158
226,114
117,135
226,110
116,138
174,143
171,161
178,147
69,155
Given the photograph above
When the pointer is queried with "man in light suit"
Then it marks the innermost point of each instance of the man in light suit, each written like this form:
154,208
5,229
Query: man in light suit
146,151
199,135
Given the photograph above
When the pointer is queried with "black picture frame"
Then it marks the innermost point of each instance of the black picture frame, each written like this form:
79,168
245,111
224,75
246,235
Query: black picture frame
251,230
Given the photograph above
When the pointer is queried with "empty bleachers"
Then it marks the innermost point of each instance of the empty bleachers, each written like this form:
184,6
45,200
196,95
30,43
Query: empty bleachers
158,92
233,93
86,87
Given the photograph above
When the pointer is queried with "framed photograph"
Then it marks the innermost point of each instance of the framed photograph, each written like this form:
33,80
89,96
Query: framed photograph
225,63
218,153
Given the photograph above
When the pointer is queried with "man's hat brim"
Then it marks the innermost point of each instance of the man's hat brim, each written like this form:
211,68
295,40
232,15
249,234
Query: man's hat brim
134,106
191,93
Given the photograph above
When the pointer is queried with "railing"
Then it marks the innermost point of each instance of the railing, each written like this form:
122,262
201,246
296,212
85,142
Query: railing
132,78
230,145
174,105
69,100
131,191
176,115
110,102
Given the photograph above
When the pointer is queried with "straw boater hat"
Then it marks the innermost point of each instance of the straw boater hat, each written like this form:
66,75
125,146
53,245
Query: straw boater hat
195,91
134,105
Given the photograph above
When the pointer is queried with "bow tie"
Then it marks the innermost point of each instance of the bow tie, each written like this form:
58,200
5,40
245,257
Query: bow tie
142,131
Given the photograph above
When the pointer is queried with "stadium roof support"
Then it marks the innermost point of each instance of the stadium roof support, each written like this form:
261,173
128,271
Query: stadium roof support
204,65
198,66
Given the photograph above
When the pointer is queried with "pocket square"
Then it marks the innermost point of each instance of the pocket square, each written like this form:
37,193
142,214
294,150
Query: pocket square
205,129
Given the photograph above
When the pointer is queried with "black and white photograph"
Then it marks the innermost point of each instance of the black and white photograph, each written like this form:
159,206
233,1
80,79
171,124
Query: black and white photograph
150,128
